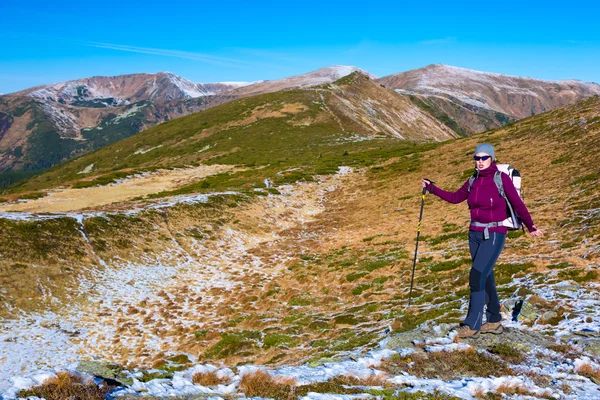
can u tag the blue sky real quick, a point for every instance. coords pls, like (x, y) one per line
(52, 41)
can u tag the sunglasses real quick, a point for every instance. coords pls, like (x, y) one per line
(482, 158)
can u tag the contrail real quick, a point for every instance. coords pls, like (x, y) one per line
(207, 58)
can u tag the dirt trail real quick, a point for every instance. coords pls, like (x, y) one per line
(65, 200)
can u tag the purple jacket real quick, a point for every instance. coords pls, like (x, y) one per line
(484, 200)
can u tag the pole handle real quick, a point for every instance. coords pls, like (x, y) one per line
(425, 188)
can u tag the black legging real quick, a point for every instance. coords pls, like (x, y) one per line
(484, 253)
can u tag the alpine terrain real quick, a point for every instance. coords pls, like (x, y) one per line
(474, 101)
(263, 248)
(46, 125)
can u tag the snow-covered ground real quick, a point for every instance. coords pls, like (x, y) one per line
(34, 337)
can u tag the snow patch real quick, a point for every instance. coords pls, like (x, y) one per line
(144, 151)
(87, 169)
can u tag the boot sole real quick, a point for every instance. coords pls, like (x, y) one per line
(496, 331)
(473, 336)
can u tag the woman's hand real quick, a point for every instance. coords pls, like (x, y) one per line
(536, 232)
(425, 183)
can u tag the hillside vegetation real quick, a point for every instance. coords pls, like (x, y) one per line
(311, 130)
(319, 265)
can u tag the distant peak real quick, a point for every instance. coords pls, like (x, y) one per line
(342, 70)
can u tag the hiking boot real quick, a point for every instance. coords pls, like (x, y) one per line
(492, 327)
(465, 332)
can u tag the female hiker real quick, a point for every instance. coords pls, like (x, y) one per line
(486, 238)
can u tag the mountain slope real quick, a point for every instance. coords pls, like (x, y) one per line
(37, 134)
(71, 118)
(270, 129)
(46, 125)
(473, 101)
(305, 273)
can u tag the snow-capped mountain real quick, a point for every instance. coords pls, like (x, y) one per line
(319, 77)
(103, 91)
(474, 98)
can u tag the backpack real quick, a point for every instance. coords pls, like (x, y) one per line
(513, 222)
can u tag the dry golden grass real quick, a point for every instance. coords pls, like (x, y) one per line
(262, 384)
(519, 390)
(66, 386)
(479, 393)
(65, 200)
(371, 380)
(209, 379)
(588, 370)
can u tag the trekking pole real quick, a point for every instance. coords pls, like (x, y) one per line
(417, 245)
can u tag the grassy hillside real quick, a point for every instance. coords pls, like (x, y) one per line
(307, 272)
(35, 136)
(313, 130)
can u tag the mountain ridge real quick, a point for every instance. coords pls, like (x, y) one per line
(250, 130)
(476, 101)
(78, 116)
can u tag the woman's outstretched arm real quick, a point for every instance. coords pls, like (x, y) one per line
(451, 197)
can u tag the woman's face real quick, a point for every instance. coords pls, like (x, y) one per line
(481, 164)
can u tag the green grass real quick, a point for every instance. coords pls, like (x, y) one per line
(32, 196)
(240, 343)
(355, 276)
(274, 340)
(275, 144)
(585, 178)
(449, 265)
(444, 238)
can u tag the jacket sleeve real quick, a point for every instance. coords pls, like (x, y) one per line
(451, 197)
(515, 200)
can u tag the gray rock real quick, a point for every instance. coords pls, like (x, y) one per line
(407, 339)
(520, 339)
(523, 340)
(105, 370)
(528, 314)
(589, 345)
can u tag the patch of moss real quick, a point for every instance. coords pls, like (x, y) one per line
(239, 343)
(148, 376)
(444, 238)
(274, 340)
(507, 352)
(508, 270)
(355, 276)
(449, 265)
(578, 275)
(355, 342)
(380, 280)
(559, 265)
(200, 334)
(361, 287)
(300, 301)
(410, 321)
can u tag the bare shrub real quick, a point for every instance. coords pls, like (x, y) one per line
(66, 385)
(209, 379)
(262, 384)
